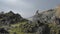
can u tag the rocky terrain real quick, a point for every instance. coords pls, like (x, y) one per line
(8, 19)
(45, 22)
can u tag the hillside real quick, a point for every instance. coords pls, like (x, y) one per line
(7, 20)
(44, 22)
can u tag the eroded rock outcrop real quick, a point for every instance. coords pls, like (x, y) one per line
(45, 22)
(10, 18)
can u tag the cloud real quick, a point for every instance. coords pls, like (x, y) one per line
(27, 7)
(18, 6)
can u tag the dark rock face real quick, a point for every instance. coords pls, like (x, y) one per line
(58, 20)
(10, 18)
(14, 32)
(43, 30)
(46, 30)
(3, 31)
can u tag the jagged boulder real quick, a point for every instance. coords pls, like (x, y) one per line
(44, 29)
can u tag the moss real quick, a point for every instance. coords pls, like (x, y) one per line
(17, 28)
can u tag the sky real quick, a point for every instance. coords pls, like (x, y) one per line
(27, 8)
